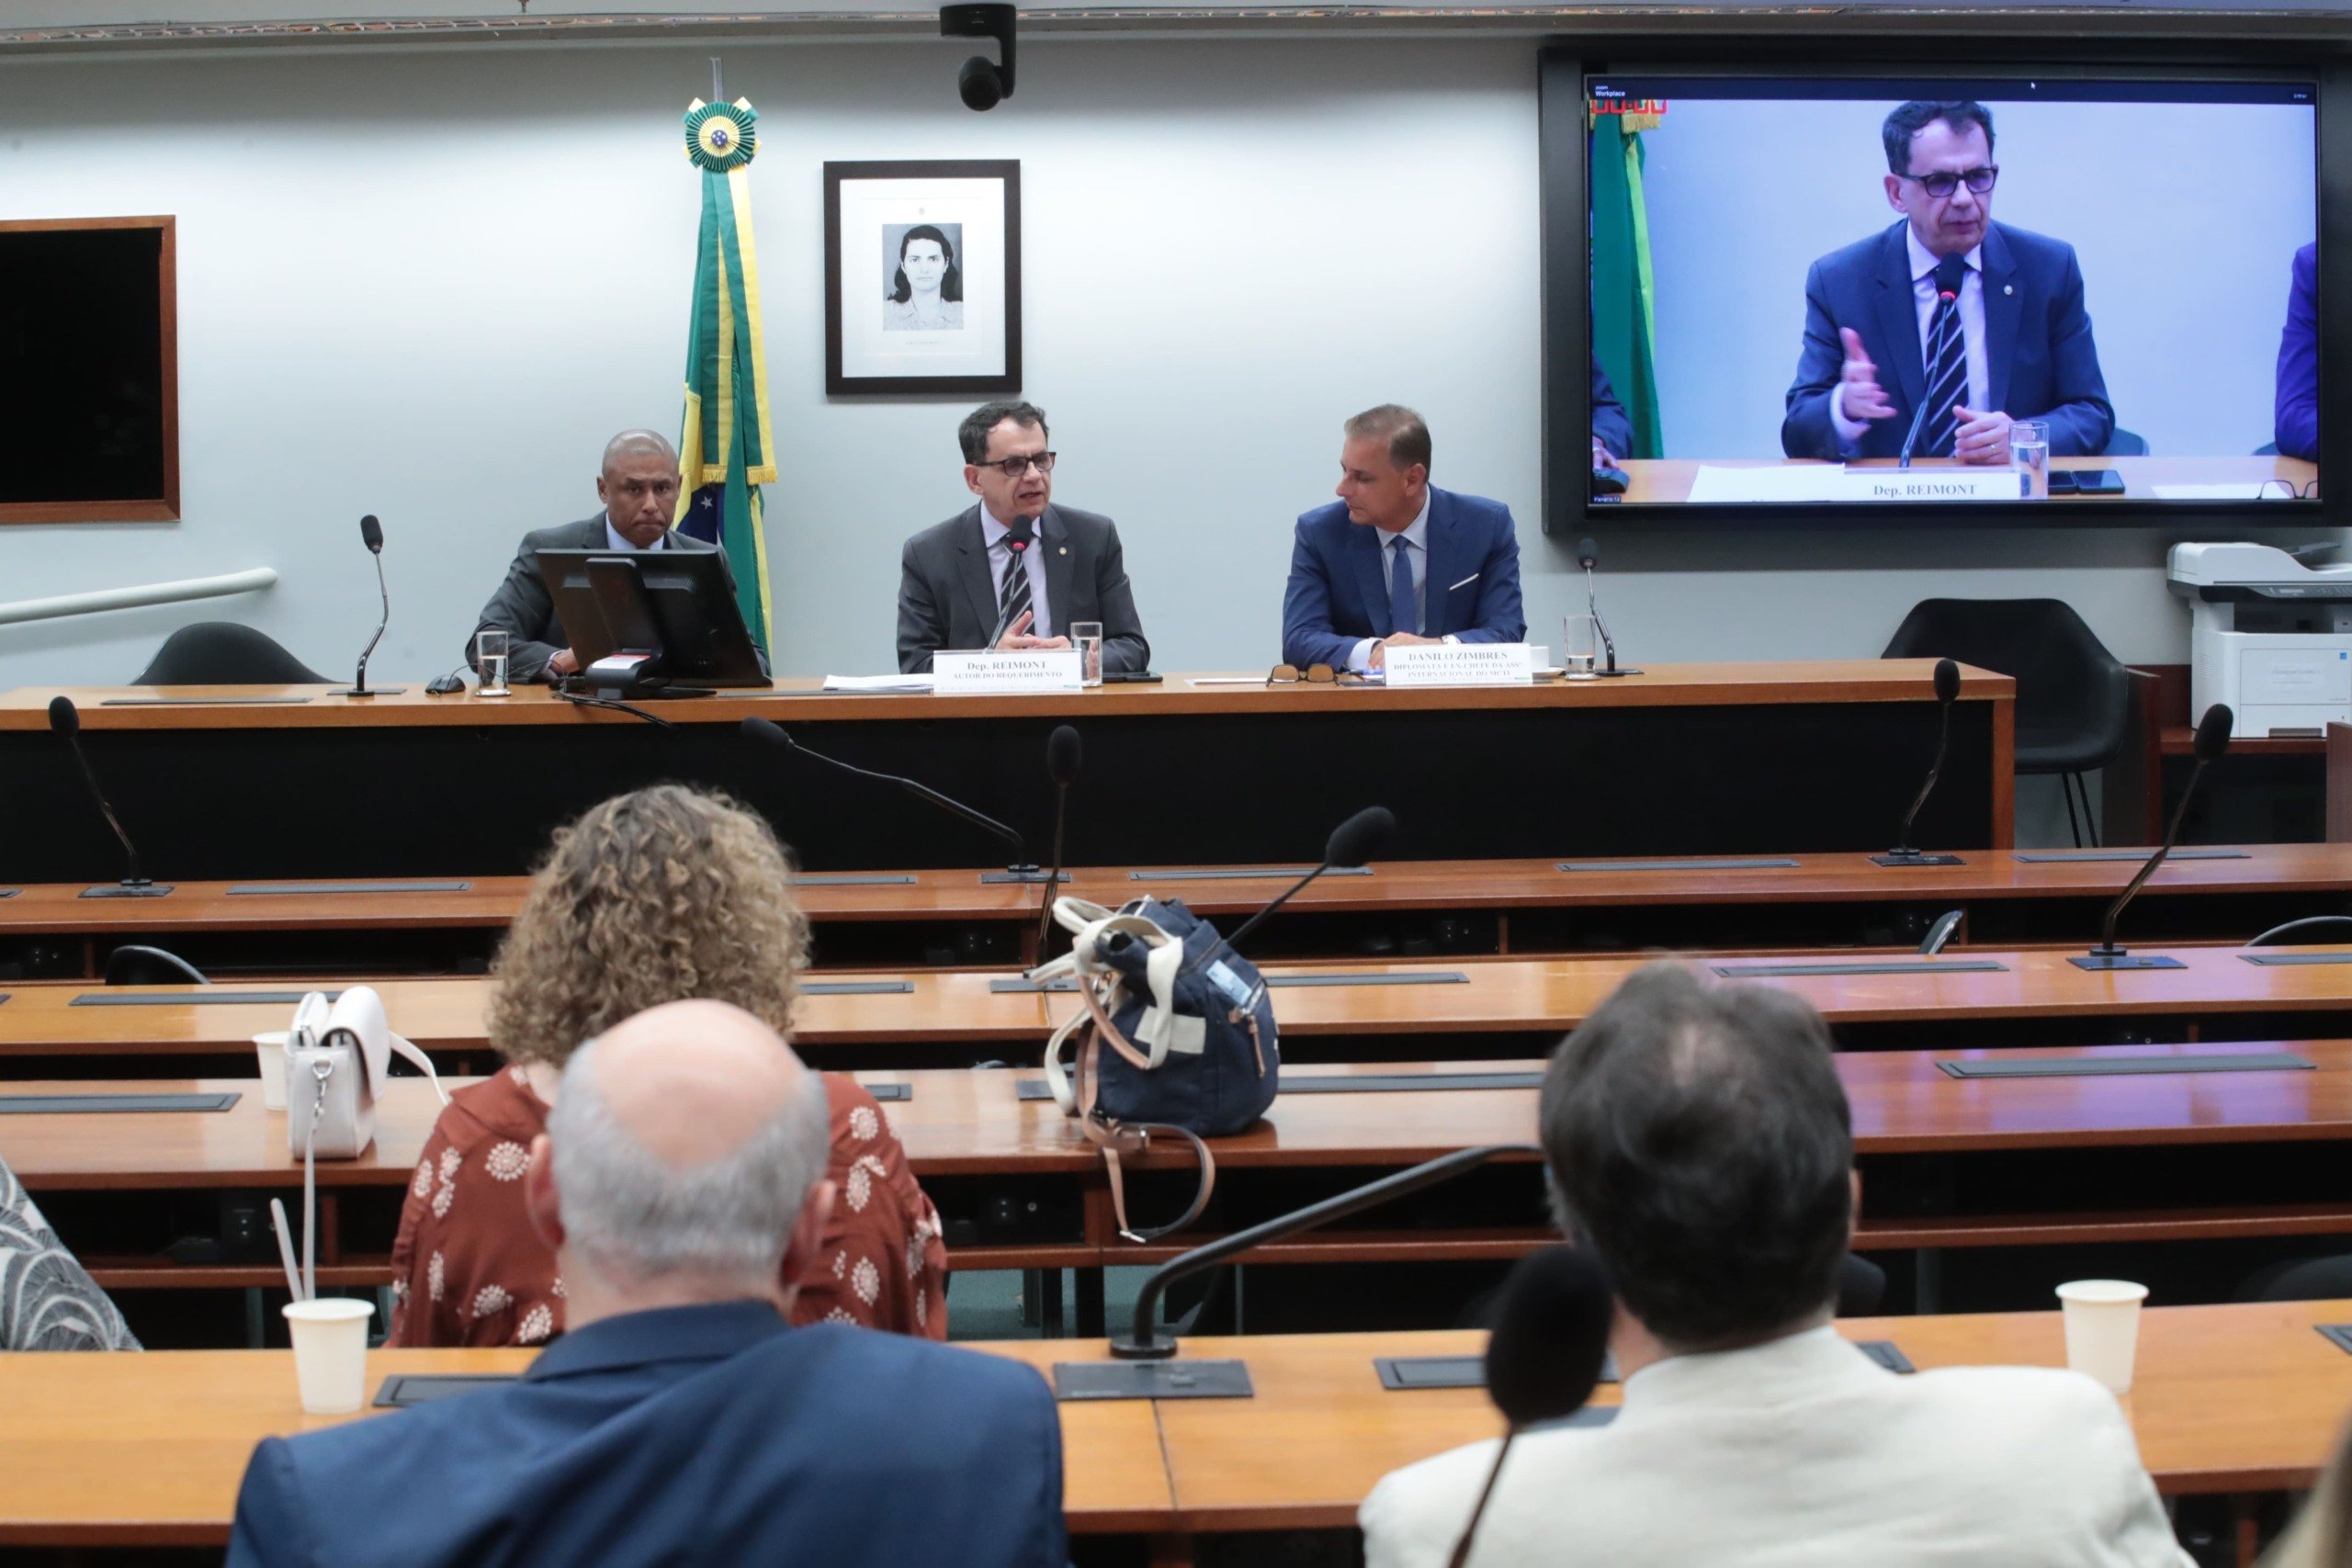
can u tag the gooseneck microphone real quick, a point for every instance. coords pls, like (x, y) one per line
(1351, 843)
(1588, 557)
(1064, 756)
(1022, 869)
(1018, 537)
(1951, 273)
(1546, 1354)
(2213, 740)
(372, 534)
(1947, 682)
(65, 720)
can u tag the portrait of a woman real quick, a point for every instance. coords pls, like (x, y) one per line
(927, 290)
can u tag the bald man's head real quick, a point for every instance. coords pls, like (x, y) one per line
(687, 1140)
(638, 486)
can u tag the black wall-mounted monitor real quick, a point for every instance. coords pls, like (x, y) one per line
(1878, 292)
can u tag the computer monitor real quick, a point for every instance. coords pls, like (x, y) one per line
(1840, 291)
(676, 606)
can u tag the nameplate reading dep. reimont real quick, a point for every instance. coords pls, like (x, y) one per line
(1460, 664)
(1002, 674)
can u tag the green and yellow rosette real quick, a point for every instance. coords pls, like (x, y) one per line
(721, 138)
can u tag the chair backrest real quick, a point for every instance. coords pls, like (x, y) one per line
(2067, 680)
(222, 653)
(134, 965)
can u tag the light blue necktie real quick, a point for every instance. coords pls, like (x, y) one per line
(1401, 616)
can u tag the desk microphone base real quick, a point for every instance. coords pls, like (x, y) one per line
(370, 692)
(1152, 1380)
(127, 890)
(2122, 960)
(1913, 857)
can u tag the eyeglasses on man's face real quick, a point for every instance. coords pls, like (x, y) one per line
(1943, 182)
(1014, 467)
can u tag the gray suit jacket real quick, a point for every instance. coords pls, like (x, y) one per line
(525, 609)
(947, 594)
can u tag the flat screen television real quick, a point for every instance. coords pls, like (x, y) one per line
(2016, 295)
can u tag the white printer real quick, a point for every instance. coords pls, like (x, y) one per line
(2268, 635)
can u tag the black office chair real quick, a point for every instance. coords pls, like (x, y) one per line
(222, 653)
(2310, 930)
(2299, 1280)
(2122, 443)
(136, 966)
(2073, 695)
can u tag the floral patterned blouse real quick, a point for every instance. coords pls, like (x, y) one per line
(469, 1269)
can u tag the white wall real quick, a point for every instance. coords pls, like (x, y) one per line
(2184, 234)
(429, 285)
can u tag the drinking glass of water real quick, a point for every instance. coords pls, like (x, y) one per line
(1579, 647)
(489, 660)
(1087, 638)
(2029, 456)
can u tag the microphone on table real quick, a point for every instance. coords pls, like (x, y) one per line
(372, 534)
(1064, 755)
(2213, 740)
(1351, 843)
(1951, 273)
(1588, 557)
(65, 719)
(1546, 1355)
(1947, 680)
(1022, 869)
(1018, 537)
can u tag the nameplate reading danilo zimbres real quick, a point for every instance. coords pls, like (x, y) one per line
(1003, 674)
(1460, 664)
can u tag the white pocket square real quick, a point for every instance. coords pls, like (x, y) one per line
(1463, 583)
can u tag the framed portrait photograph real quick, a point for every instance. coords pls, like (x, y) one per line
(922, 276)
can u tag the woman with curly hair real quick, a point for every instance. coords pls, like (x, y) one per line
(652, 897)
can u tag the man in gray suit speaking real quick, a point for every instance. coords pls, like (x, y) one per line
(1014, 567)
(638, 486)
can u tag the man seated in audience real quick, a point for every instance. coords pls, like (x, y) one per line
(638, 487)
(654, 896)
(681, 1183)
(1702, 1148)
(48, 1300)
(1396, 560)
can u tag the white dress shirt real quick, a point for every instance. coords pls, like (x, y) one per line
(1972, 329)
(1416, 550)
(1800, 1452)
(616, 540)
(1032, 558)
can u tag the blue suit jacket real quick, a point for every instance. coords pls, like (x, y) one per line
(2040, 356)
(692, 1435)
(1610, 425)
(1338, 587)
(2296, 414)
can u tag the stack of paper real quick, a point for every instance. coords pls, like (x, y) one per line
(877, 683)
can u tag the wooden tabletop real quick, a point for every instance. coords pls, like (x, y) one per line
(1669, 479)
(798, 701)
(490, 901)
(148, 1449)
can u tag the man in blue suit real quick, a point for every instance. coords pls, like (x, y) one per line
(680, 1420)
(1979, 322)
(2296, 408)
(1396, 560)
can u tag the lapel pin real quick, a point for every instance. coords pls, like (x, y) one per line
(2008, 288)
(1062, 550)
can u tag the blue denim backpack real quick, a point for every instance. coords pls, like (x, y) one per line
(1175, 1034)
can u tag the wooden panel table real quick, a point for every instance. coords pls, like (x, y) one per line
(125, 1450)
(1206, 773)
(147, 1449)
(1507, 906)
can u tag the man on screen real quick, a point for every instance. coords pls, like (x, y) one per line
(1931, 336)
(2296, 422)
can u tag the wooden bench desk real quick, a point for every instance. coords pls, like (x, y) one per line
(147, 1449)
(1464, 908)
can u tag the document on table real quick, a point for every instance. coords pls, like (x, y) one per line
(877, 683)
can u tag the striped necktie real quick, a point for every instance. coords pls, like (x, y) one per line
(1014, 598)
(1945, 354)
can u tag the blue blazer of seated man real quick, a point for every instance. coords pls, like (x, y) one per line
(2015, 343)
(1396, 560)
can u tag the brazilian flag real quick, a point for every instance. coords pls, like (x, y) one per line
(1625, 302)
(726, 449)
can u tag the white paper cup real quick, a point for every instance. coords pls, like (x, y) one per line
(271, 1047)
(330, 1338)
(2103, 1328)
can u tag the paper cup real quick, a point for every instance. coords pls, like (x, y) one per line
(2103, 1328)
(330, 1338)
(271, 1047)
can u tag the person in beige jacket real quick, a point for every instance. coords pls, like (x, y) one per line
(1702, 1149)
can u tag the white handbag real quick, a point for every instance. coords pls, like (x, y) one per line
(336, 1059)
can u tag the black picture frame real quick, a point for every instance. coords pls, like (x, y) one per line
(854, 366)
